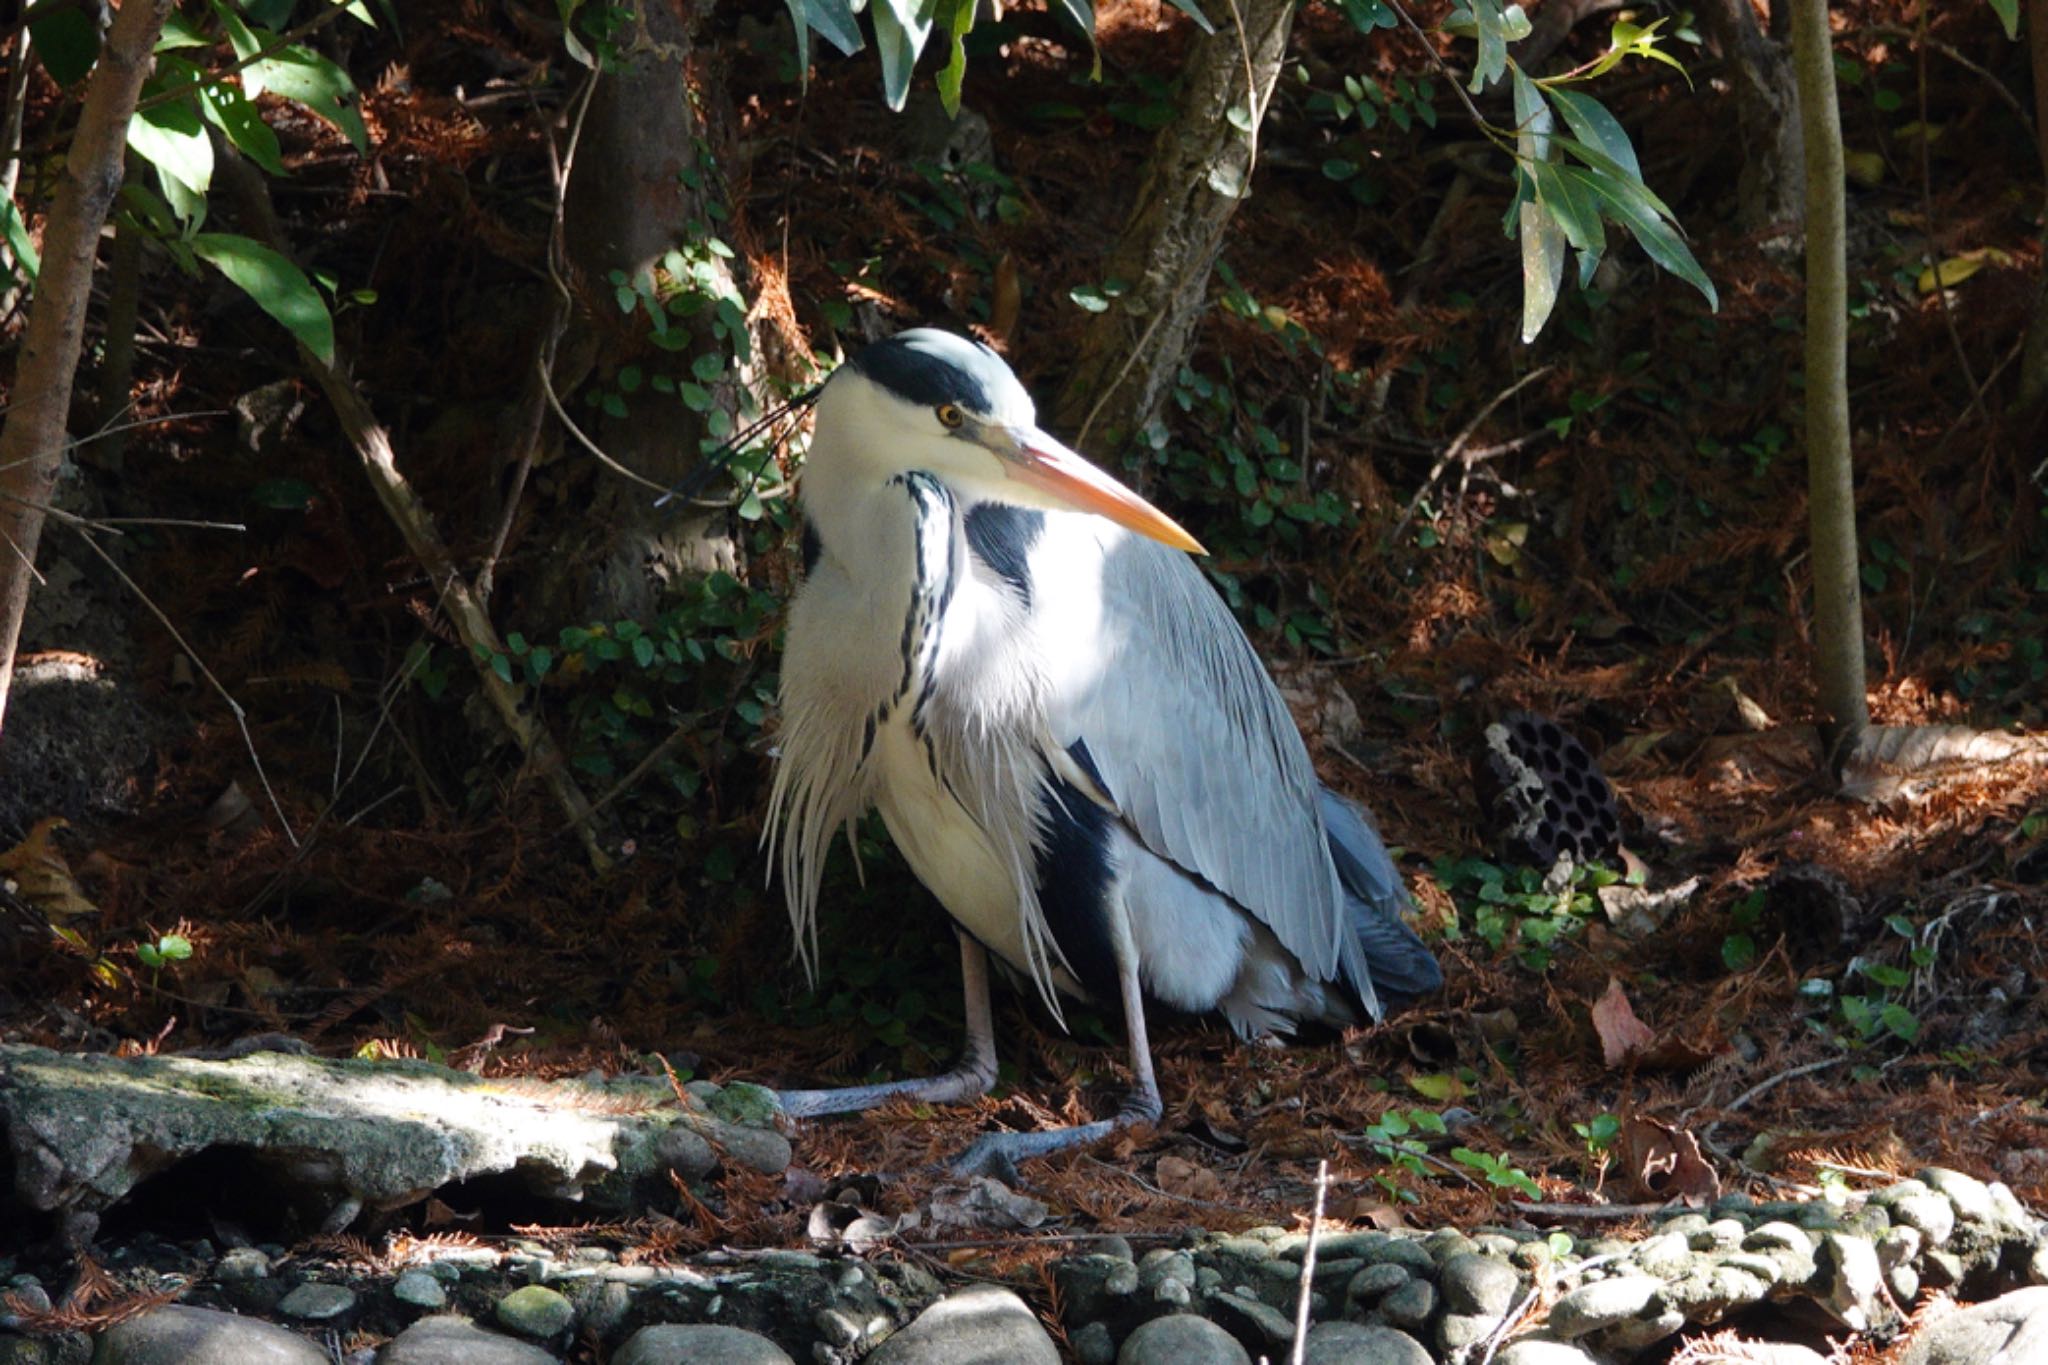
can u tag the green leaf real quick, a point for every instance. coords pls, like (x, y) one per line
(1901, 1022)
(172, 138)
(1194, 12)
(1633, 207)
(19, 243)
(305, 77)
(959, 20)
(1081, 14)
(66, 41)
(174, 947)
(800, 24)
(279, 288)
(901, 28)
(181, 32)
(834, 21)
(1571, 202)
(1542, 235)
(1597, 128)
(231, 111)
(2008, 12)
(578, 52)
(283, 495)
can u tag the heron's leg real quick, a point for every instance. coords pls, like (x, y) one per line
(975, 1074)
(997, 1154)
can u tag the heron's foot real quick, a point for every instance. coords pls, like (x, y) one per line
(997, 1154)
(965, 1082)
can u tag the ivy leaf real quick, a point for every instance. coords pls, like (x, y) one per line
(278, 287)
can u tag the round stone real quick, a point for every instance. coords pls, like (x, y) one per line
(1593, 1307)
(700, 1344)
(449, 1337)
(1476, 1283)
(536, 1311)
(1353, 1343)
(419, 1289)
(177, 1333)
(1181, 1339)
(241, 1263)
(982, 1325)
(1410, 1305)
(316, 1302)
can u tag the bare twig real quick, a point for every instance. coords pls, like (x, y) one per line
(235, 707)
(1457, 446)
(458, 598)
(1308, 1264)
(32, 446)
(560, 164)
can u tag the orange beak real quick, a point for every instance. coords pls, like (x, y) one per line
(1037, 459)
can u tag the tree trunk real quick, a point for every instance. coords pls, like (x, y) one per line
(637, 189)
(1768, 192)
(32, 445)
(2033, 395)
(1200, 168)
(1837, 595)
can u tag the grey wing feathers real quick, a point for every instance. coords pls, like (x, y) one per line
(1393, 962)
(1202, 757)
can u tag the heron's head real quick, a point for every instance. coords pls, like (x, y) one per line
(932, 401)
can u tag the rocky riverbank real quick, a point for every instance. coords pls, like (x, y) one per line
(1793, 1274)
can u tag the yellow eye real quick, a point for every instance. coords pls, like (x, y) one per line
(951, 417)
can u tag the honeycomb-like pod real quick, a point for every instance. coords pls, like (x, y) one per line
(1544, 793)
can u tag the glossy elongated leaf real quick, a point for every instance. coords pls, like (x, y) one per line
(800, 24)
(231, 111)
(1081, 14)
(240, 37)
(2008, 12)
(305, 77)
(901, 28)
(19, 243)
(181, 32)
(1543, 243)
(578, 50)
(66, 41)
(1194, 11)
(1596, 127)
(278, 287)
(834, 21)
(959, 20)
(1635, 208)
(1542, 238)
(171, 138)
(1571, 202)
(1608, 166)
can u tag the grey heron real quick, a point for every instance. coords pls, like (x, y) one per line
(1012, 657)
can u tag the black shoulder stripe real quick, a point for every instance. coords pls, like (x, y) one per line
(813, 546)
(1001, 537)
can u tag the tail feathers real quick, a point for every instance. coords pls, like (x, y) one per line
(1384, 960)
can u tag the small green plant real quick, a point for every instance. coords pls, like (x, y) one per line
(1514, 909)
(1392, 1136)
(1738, 948)
(167, 949)
(1599, 1134)
(1856, 1015)
(1497, 1171)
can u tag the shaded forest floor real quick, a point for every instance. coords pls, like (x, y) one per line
(1849, 989)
